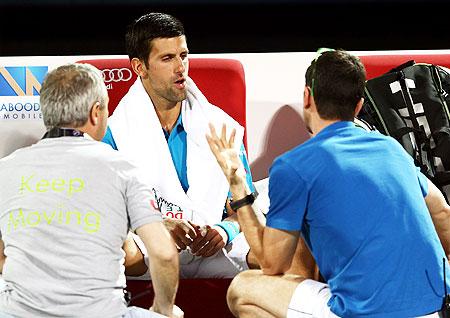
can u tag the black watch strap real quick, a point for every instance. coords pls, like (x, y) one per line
(247, 200)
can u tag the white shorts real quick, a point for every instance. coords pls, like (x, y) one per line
(137, 312)
(310, 300)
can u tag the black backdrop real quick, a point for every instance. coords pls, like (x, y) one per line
(85, 27)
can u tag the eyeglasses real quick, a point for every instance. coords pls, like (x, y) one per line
(318, 54)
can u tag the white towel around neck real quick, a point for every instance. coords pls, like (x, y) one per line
(139, 136)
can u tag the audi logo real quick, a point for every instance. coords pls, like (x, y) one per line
(116, 75)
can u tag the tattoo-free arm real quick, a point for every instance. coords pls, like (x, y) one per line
(273, 248)
(164, 269)
(2, 255)
(134, 259)
(440, 214)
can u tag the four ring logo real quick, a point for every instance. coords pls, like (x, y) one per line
(116, 75)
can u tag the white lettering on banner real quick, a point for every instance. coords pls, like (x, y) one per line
(20, 108)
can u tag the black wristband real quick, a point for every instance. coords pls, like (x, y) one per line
(247, 200)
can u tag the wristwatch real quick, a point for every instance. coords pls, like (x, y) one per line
(247, 200)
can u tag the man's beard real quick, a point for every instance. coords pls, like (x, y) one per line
(176, 96)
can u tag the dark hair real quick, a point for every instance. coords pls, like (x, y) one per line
(142, 31)
(337, 81)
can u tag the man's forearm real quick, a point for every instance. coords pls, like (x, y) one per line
(259, 214)
(248, 221)
(263, 241)
(2, 261)
(2, 255)
(163, 263)
(165, 277)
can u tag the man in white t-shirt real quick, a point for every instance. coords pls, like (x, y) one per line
(66, 206)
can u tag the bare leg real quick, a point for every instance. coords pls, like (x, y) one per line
(252, 311)
(134, 259)
(248, 296)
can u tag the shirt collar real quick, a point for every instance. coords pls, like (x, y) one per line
(179, 123)
(178, 127)
(336, 126)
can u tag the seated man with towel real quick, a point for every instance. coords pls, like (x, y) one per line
(190, 187)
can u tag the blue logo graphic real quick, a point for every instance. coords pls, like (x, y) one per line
(21, 80)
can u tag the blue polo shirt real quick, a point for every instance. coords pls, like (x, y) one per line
(177, 143)
(357, 199)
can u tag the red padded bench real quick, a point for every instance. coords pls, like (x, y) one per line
(377, 65)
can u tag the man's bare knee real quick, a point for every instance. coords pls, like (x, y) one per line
(233, 294)
(239, 289)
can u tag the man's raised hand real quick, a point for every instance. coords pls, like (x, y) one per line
(226, 154)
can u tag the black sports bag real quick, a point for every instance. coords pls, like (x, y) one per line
(410, 103)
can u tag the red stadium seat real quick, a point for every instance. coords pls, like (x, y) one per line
(221, 80)
(223, 83)
(377, 65)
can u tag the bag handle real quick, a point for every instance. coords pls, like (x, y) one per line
(402, 66)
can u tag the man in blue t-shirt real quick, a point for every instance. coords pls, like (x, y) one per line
(161, 124)
(358, 201)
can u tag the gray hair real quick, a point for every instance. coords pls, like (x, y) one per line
(68, 93)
